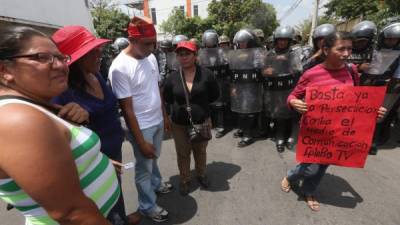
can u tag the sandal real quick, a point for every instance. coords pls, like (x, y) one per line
(312, 203)
(285, 185)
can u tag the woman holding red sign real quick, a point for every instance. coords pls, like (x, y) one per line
(332, 71)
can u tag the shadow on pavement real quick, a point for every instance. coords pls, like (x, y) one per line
(334, 191)
(182, 209)
(218, 174)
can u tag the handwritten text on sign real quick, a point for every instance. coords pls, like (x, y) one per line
(339, 125)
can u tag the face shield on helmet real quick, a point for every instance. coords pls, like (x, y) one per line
(210, 39)
(178, 38)
(321, 32)
(389, 37)
(245, 39)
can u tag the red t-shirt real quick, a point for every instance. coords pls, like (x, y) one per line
(320, 76)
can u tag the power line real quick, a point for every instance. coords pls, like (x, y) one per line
(290, 10)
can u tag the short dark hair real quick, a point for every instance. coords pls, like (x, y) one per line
(13, 39)
(330, 40)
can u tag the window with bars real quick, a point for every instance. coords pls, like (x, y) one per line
(195, 10)
(154, 16)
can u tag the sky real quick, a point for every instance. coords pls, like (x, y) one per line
(302, 12)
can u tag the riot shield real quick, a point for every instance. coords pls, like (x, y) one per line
(280, 73)
(246, 84)
(212, 57)
(215, 59)
(381, 61)
(172, 62)
(396, 74)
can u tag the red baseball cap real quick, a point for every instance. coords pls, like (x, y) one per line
(76, 41)
(187, 45)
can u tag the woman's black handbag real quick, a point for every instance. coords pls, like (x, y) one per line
(197, 132)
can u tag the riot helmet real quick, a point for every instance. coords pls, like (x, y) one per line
(166, 44)
(120, 44)
(321, 32)
(245, 38)
(224, 39)
(178, 38)
(364, 29)
(224, 42)
(210, 39)
(259, 34)
(389, 37)
(363, 33)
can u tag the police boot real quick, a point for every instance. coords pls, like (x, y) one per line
(280, 135)
(249, 122)
(220, 128)
(292, 132)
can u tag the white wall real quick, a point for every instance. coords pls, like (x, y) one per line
(164, 9)
(48, 13)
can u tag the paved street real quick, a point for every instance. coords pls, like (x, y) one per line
(246, 190)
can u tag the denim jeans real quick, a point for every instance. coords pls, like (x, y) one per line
(311, 173)
(147, 174)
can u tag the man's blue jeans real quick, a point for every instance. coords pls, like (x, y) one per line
(311, 173)
(147, 174)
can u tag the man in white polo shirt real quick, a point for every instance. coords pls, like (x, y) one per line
(134, 78)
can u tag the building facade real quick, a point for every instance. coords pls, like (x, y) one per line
(45, 15)
(160, 10)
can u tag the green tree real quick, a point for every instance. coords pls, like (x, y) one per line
(109, 22)
(377, 11)
(350, 9)
(178, 23)
(228, 16)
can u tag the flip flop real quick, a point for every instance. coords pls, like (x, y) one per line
(285, 185)
(312, 203)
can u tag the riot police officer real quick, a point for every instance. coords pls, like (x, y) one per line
(260, 35)
(384, 65)
(163, 53)
(280, 72)
(110, 53)
(245, 63)
(314, 56)
(119, 44)
(224, 42)
(215, 59)
(363, 44)
(178, 38)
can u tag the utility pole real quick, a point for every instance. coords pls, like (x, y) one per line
(314, 21)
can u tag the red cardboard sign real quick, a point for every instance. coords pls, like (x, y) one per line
(339, 124)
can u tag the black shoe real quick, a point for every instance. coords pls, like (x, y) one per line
(280, 146)
(245, 142)
(184, 188)
(238, 134)
(203, 181)
(373, 150)
(220, 133)
(290, 144)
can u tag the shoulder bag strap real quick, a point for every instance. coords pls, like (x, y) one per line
(188, 107)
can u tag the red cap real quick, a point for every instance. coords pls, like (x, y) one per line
(140, 28)
(189, 45)
(76, 41)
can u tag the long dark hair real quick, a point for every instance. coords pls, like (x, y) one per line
(13, 40)
(76, 78)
